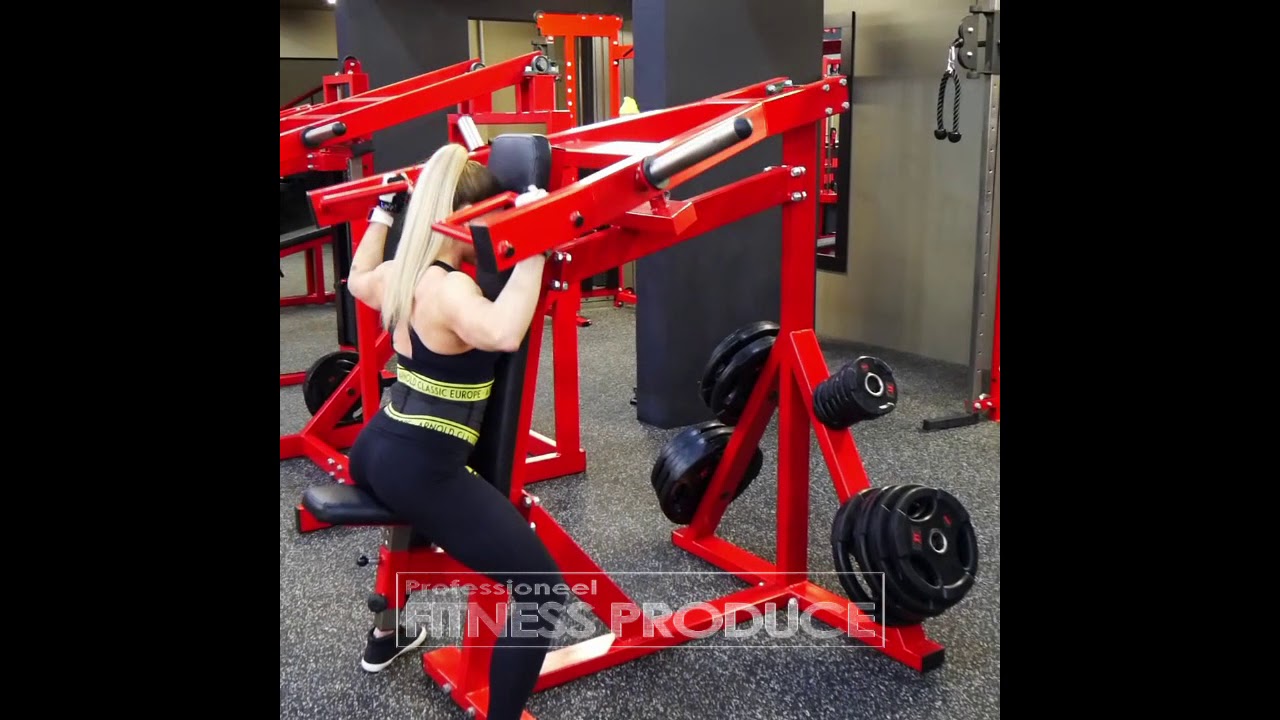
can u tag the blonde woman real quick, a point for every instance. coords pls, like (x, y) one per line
(413, 454)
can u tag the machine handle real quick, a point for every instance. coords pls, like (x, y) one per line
(658, 169)
(469, 132)
(317, 135)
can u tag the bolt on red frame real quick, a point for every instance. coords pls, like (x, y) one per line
(619, 214)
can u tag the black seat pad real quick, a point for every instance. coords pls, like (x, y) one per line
(338, 504)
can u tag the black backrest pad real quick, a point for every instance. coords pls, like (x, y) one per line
(517, 160)
(494, 457)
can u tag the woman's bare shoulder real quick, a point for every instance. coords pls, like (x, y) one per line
(434, 289)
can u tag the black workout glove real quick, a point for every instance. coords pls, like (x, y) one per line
(390, 204)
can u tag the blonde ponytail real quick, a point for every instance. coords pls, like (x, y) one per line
(432, 200)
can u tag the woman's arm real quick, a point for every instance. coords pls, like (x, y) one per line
(497, 326)
(365, 280)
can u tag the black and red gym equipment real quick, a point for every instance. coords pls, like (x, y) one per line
(326, 132)
(569, 28)
(908, 552)
(331, 141)
(619, 214)
(734, 367)
(863, 389)
(686, 465)
(298, 235)
(834, 193)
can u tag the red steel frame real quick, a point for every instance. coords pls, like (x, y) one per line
(536, 108)
(315, 294)
(314, 263)
(572, 26)
(640, 222)
(830, 158)
(342, 91)
(350, 81)
(990, 403)
(322, 440)
(366, 111)
(294, 103)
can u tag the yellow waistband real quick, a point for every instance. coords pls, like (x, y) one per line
(445, 391)
(448, 427)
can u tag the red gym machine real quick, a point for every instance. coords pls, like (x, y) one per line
(570, 27)
(318, 137)
(536, 107)
(620, 213)
(828, 197)
(331, 126)
(348, 81)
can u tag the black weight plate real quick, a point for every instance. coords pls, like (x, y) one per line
(900, 600)
(888, 613)
(718, 437)
(688, 473)
(323, 378)
(658, 475)
(659, 468)
(852, 577)
(728, 347)
(734, 384)
(893, 614)
(932, 541)
(873, 539)
(874, 388)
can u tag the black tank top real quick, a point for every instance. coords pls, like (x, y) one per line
(444, 393)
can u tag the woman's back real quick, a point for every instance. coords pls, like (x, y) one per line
(445, 386)
(428, 345)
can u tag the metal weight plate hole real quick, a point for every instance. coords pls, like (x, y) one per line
(921, 509)
(874, 385)
(937, 541)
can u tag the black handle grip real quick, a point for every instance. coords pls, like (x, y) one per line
(317, 135)
(658, 169)
(361, 149)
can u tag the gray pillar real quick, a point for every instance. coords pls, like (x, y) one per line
(692, 295)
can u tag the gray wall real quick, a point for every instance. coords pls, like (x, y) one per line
(914, 199)
(398, 39)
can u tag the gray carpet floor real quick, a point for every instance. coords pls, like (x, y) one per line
(612, 513)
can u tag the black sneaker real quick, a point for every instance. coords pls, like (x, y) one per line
(379, 652)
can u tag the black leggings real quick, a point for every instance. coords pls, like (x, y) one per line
(477, 526)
